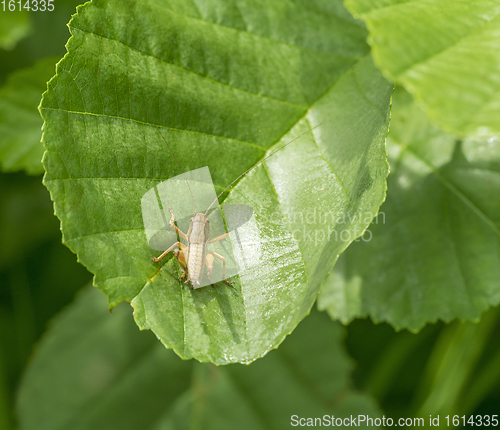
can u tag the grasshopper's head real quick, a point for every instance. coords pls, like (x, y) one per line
(201, 223)
(200, 217)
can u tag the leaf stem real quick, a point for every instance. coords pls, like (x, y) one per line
(451, 366)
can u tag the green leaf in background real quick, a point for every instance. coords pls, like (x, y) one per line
(446, 53)
(20, 122)
(434, 251)
(26, 218)
(225, 84)
(459, 373)
(38, 275)
(95, 370)
(14, 25)
(47, 38)
(444, 369)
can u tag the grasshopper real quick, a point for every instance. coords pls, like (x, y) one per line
(195, 257)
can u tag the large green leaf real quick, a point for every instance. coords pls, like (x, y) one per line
(14, 25)
(225, 83)
(434, 252)
(446, 53)
(95, 370)
(20, 122)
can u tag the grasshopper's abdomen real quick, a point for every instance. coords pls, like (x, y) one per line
(195, 262)
(198, 235)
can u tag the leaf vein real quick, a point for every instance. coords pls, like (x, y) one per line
(330, 167)
(194, 73)
(155, 125)
(469, 203)
(445, 49)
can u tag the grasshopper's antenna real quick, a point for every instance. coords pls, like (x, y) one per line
(255, 165)
(173, 154)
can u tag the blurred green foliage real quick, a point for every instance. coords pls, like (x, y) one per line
(38, 275)
(110, 366)
(19, 124)
(13, 27)
(434, 248)
(446, 53)
(47, 37)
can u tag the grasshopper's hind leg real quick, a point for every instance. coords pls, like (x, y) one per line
(181, 254)
(220, 257)
(209, 263)
(216, 239)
